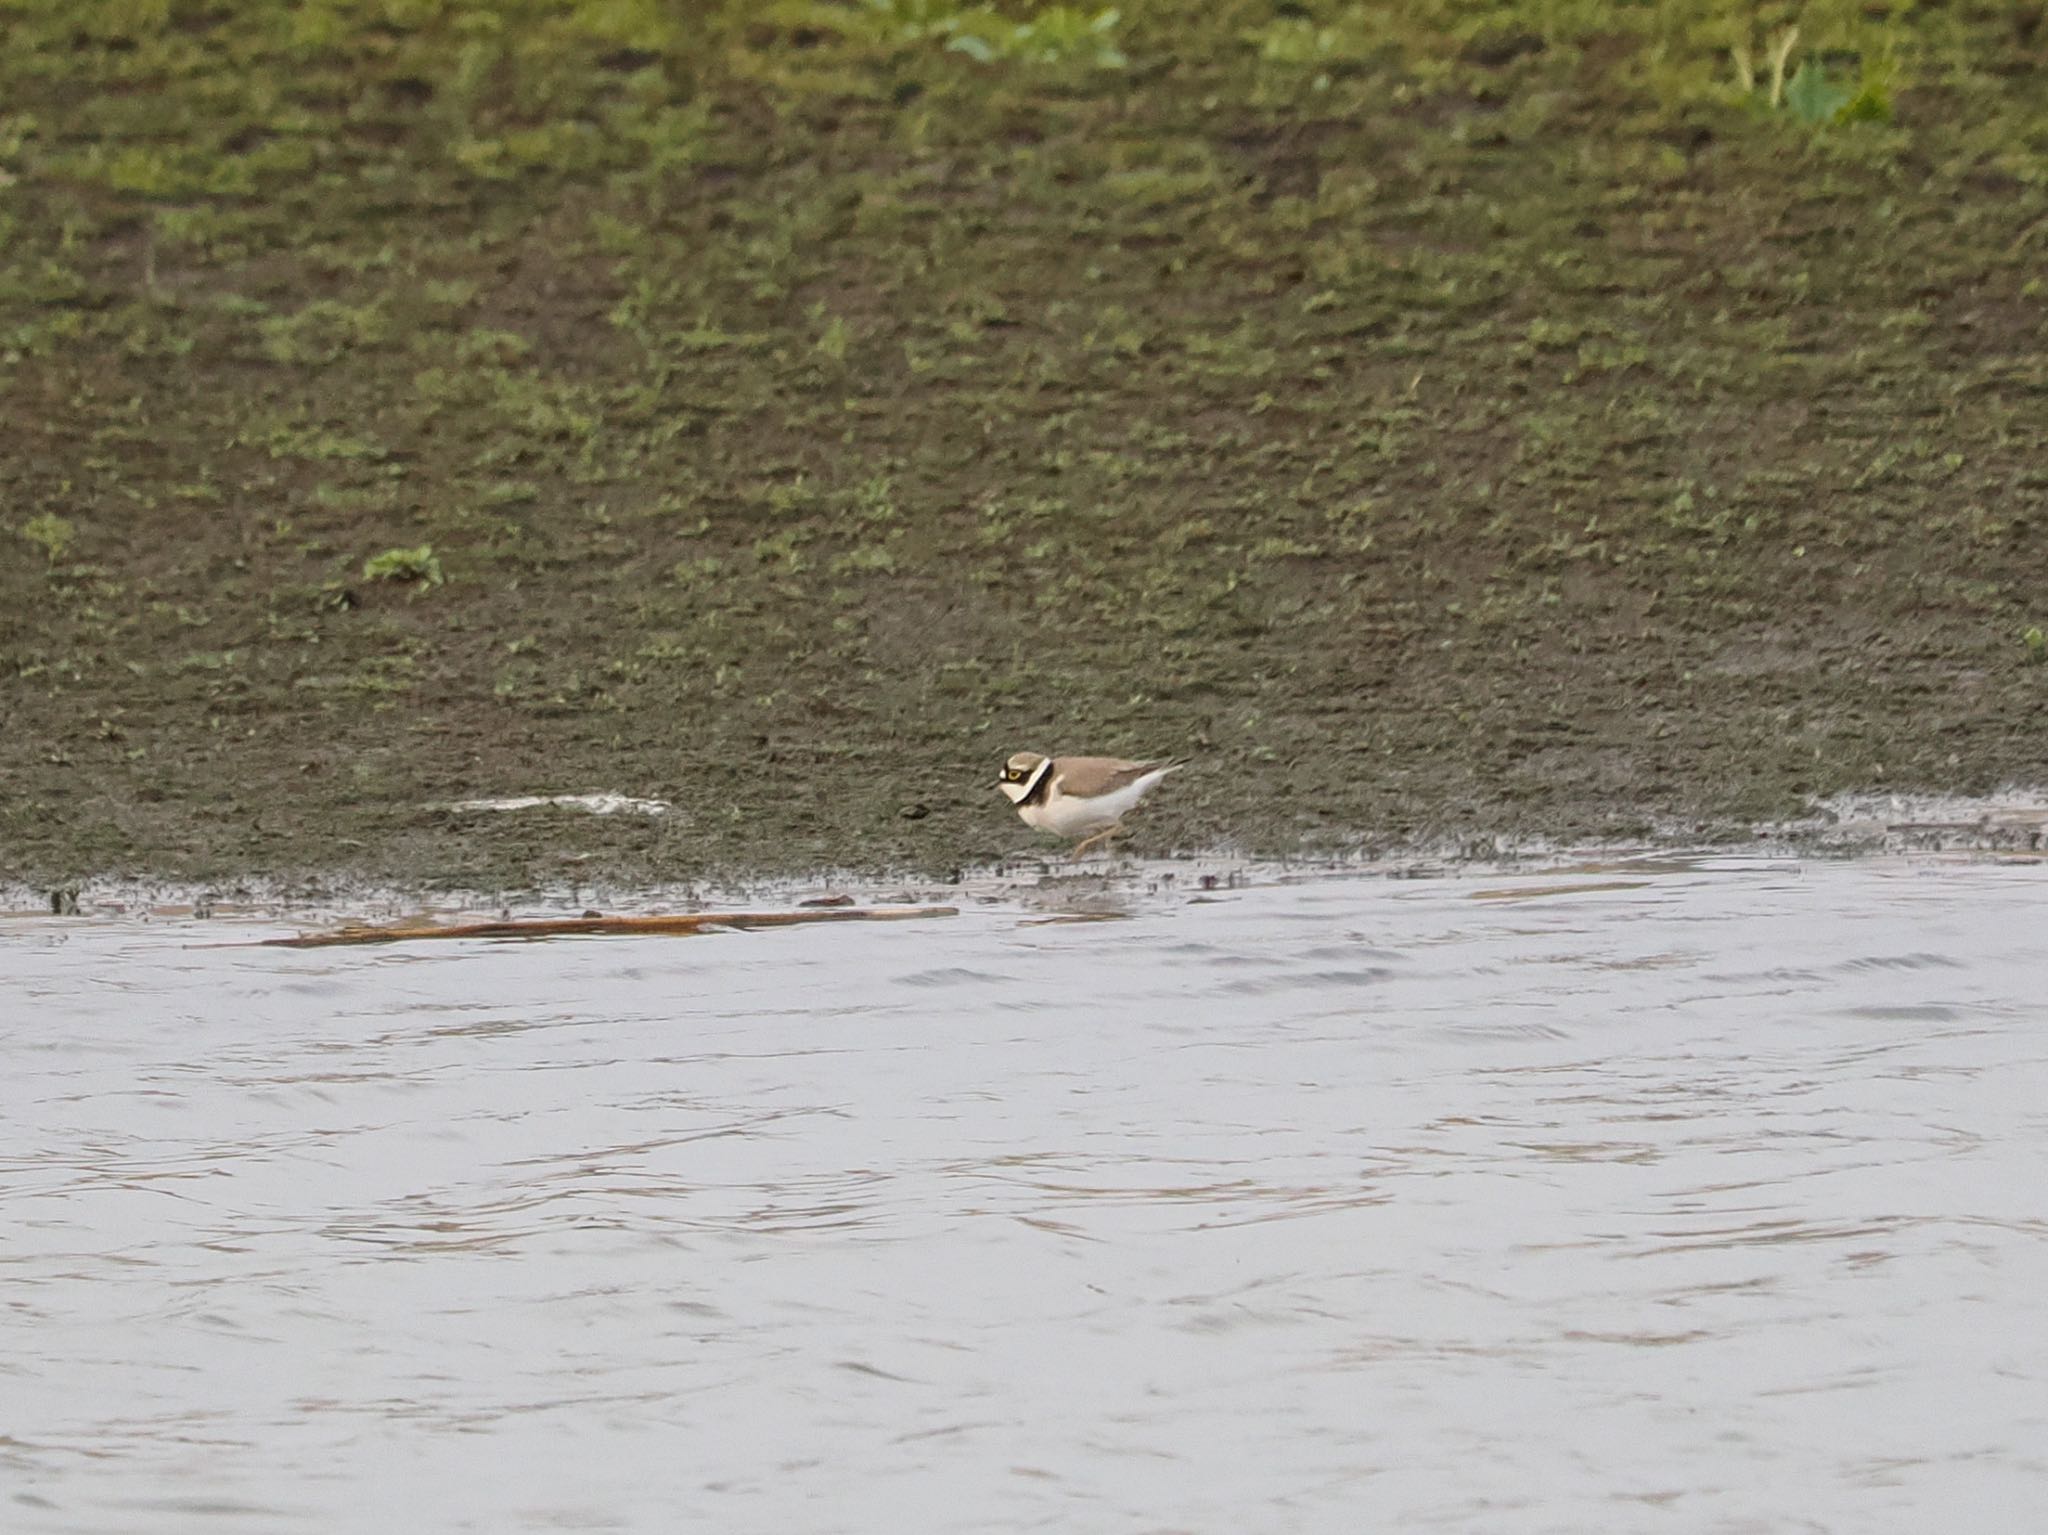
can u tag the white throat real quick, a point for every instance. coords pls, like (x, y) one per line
(1017, 793)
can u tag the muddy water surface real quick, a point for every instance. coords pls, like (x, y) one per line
(1689, 1197)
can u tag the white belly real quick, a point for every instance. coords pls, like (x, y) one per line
(1069, 817)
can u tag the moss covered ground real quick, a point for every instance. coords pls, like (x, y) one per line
(1435, 419)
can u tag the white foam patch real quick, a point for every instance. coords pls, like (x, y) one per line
(596, 804)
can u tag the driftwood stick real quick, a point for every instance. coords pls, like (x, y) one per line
(561, 927)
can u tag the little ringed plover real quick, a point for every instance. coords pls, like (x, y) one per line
(1085, 797)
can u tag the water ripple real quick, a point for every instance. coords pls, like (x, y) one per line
(1318, 1206)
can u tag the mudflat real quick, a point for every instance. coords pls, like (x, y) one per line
(1555, 421)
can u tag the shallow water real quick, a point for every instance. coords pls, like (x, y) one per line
(1676, 1196)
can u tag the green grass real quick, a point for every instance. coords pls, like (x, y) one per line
(419, 565)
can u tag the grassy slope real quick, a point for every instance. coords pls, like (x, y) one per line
(1466, 418)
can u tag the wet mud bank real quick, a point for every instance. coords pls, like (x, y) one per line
(2011, 828)
(1438, 438)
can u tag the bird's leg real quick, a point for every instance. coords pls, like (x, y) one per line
(1087, 842)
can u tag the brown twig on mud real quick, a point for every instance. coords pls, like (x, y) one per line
(564, 927)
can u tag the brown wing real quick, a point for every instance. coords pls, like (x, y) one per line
(1088, 776)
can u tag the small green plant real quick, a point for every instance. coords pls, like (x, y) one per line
(1295, 42)
(834, 342)
(322, 332)
(1812, 93)
(50, 533)
(2036, 644)
(866, 559)
(1061, 34)
(1064, 35)
(293, 440)
(1814, 96)
(405, 565)
(874, 500)
(913, 20)
(701, 571)
(1872, 100)
(780, 549)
